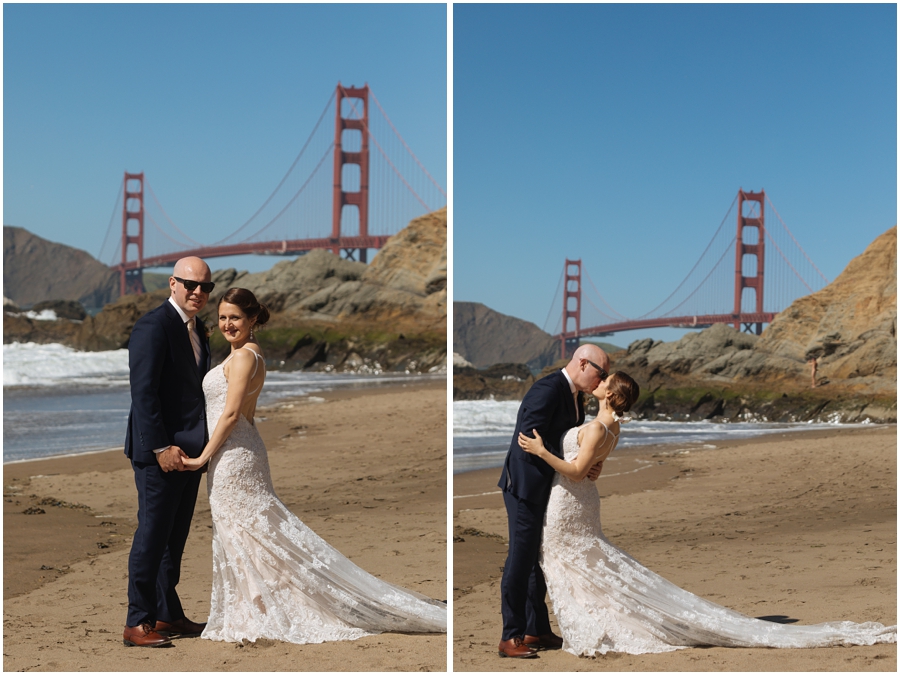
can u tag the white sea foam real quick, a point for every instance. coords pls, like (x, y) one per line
(52, 365)
(482, 431)
(43, 315)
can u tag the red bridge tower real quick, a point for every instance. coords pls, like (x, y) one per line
(131, 281)
(743, 248)
(360, 158)
(571, 291)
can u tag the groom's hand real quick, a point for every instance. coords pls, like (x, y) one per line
(170, 459)
(594, 471)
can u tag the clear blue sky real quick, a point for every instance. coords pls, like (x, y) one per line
(212, 102)
(620, 134)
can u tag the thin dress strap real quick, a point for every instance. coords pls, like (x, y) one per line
(616, 436)
(255, 370)
(609, 433)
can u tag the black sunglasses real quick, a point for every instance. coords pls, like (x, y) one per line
(205, 286)
(603, 373)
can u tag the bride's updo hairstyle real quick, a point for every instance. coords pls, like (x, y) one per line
(623, 391)
(248, 304)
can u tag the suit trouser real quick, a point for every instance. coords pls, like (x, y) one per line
(523, 590)
(165, 508)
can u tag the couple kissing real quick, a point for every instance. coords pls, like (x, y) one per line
(604, 600)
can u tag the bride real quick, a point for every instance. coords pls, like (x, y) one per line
(605, 601)
(273, 577)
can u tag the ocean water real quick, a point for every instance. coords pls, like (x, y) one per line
(482, 432)
(59, 401)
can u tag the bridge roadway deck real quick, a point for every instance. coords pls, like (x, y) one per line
(283, 247)
(697, 321)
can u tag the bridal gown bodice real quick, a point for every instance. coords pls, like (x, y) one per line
(273, 577)
(604, 600)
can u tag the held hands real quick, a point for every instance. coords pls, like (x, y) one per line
(171, 459)
(533, 446)
(193, 463)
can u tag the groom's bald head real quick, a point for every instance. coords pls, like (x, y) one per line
(585, 366)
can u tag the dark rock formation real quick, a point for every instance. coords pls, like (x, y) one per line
(502, 381)
(64, 309)
(485, 337)
(35, 270)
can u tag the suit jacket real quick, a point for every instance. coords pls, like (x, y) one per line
(550, 408)
(167, 405)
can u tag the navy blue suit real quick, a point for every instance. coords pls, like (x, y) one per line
(550, 408)
(167, 408)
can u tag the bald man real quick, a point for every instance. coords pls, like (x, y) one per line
(168, 355)
(551, 406)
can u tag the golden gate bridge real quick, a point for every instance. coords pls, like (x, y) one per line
(770, 271)
(372, 186)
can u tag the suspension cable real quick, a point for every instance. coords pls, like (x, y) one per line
(408, 149)
(555, 295)
(153, 194)
(778, 215)
(293, 199)
(695, 264)
(591, 281)
(777, 248)
(289, 171)
(119, 192)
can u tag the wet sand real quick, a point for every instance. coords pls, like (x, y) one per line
(797, 525)
(365, 469)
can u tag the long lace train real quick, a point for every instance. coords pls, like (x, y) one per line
(273, 577)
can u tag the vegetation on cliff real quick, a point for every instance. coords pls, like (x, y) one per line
(721, 374)
(327, 313)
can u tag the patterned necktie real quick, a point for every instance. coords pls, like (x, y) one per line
(195, 339)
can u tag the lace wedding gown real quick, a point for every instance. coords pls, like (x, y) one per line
(606, 601)
(273, 577)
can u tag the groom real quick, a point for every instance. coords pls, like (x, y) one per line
(168, 355)
(551, 406)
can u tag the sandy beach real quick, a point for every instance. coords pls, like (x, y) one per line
(797, 525)
(365, 469)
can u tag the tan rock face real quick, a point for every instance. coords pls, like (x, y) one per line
(415, 259)
(35, 270)
(851, 324)
(405, 286)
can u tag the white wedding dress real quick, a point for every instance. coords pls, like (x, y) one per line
(273, 577)
(606, 601)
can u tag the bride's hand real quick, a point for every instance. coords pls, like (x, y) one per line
(192, 463)
(533, 446)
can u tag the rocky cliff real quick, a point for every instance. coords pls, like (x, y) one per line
(35, 270)
(328, 313)
(849, 326)
(723, 374)
(484, 337)
(404, 288)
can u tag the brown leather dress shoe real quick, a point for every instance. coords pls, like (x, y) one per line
(545, 641)
(183, 628)
(143, 636)
(515, 649)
